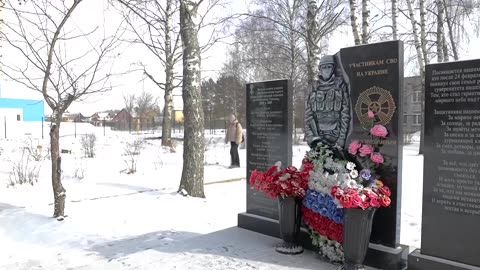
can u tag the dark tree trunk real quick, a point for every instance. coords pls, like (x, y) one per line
(193, 149)
(59, 192)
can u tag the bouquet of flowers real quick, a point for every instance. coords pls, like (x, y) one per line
(289, 182)
(344, 180)
(364, 189)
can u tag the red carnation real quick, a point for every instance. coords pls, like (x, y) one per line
(346, 201)
(333, 191)
(291, 169)
(253, 176)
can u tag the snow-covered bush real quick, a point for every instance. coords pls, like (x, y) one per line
(132, 150)
(26, 169)
(88, 142)
(35, 150)
(80, 169)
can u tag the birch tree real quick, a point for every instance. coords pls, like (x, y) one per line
(152, 23)
(354, 21)
(394, 19)
(193, 151)
(420, 59)
(365, 18)
(42, 35)
(440, 41)
(322, 20)
(423, 31)
(450, 30)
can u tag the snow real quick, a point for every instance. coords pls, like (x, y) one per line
(139, 221)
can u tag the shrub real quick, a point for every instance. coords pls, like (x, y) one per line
(132, 151)
(25, 170)
(88, 142)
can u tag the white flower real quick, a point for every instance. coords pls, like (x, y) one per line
(354, 174)
(350, 166)
(278, 164)
(351, 184)
(284, 177)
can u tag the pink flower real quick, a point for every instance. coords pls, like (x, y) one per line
(374, 202)
(370, 114)
(346, 201)
(357, 200)
(353, 147)
(379, 131)
(385, 201)
(365, 204)
(377, 158)
(366, 149)
(385, 191)
(370, 193)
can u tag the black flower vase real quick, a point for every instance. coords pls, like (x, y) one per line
(289, 218)
(357, 227)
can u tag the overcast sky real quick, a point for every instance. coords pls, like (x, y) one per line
(91, 13)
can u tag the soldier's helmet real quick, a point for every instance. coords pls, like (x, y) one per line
(327, 59)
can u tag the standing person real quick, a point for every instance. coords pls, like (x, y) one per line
(234, 136)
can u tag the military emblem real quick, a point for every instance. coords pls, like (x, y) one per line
(252, 92)
(377, 100)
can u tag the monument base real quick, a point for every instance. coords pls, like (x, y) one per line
(418, 261)
(378, 256)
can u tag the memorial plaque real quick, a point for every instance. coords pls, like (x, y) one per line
(269, 133)
(451, 182)
(374, 74)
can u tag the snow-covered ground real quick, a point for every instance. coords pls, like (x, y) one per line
(120, 221)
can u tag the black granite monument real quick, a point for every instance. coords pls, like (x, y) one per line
(269, 133)
(374, 74)
(367, 77)
(451, 181)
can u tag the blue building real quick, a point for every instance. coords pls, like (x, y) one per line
(33, 110)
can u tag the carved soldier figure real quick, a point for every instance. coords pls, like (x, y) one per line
(327, 110)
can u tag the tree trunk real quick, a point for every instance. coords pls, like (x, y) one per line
(353, 21)
(446, 56)
(416, 39)
(169, 66)
(440, 30)
(365, 16)
(394, 20)
(193, 149)
(59, 194)
(423, 31)
(421, 64)
(450, 31)
(293, 65)
(312, 42)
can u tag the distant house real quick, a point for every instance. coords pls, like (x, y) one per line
(97, 119)
(122, 120)
(412, 104)
(74, 117)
